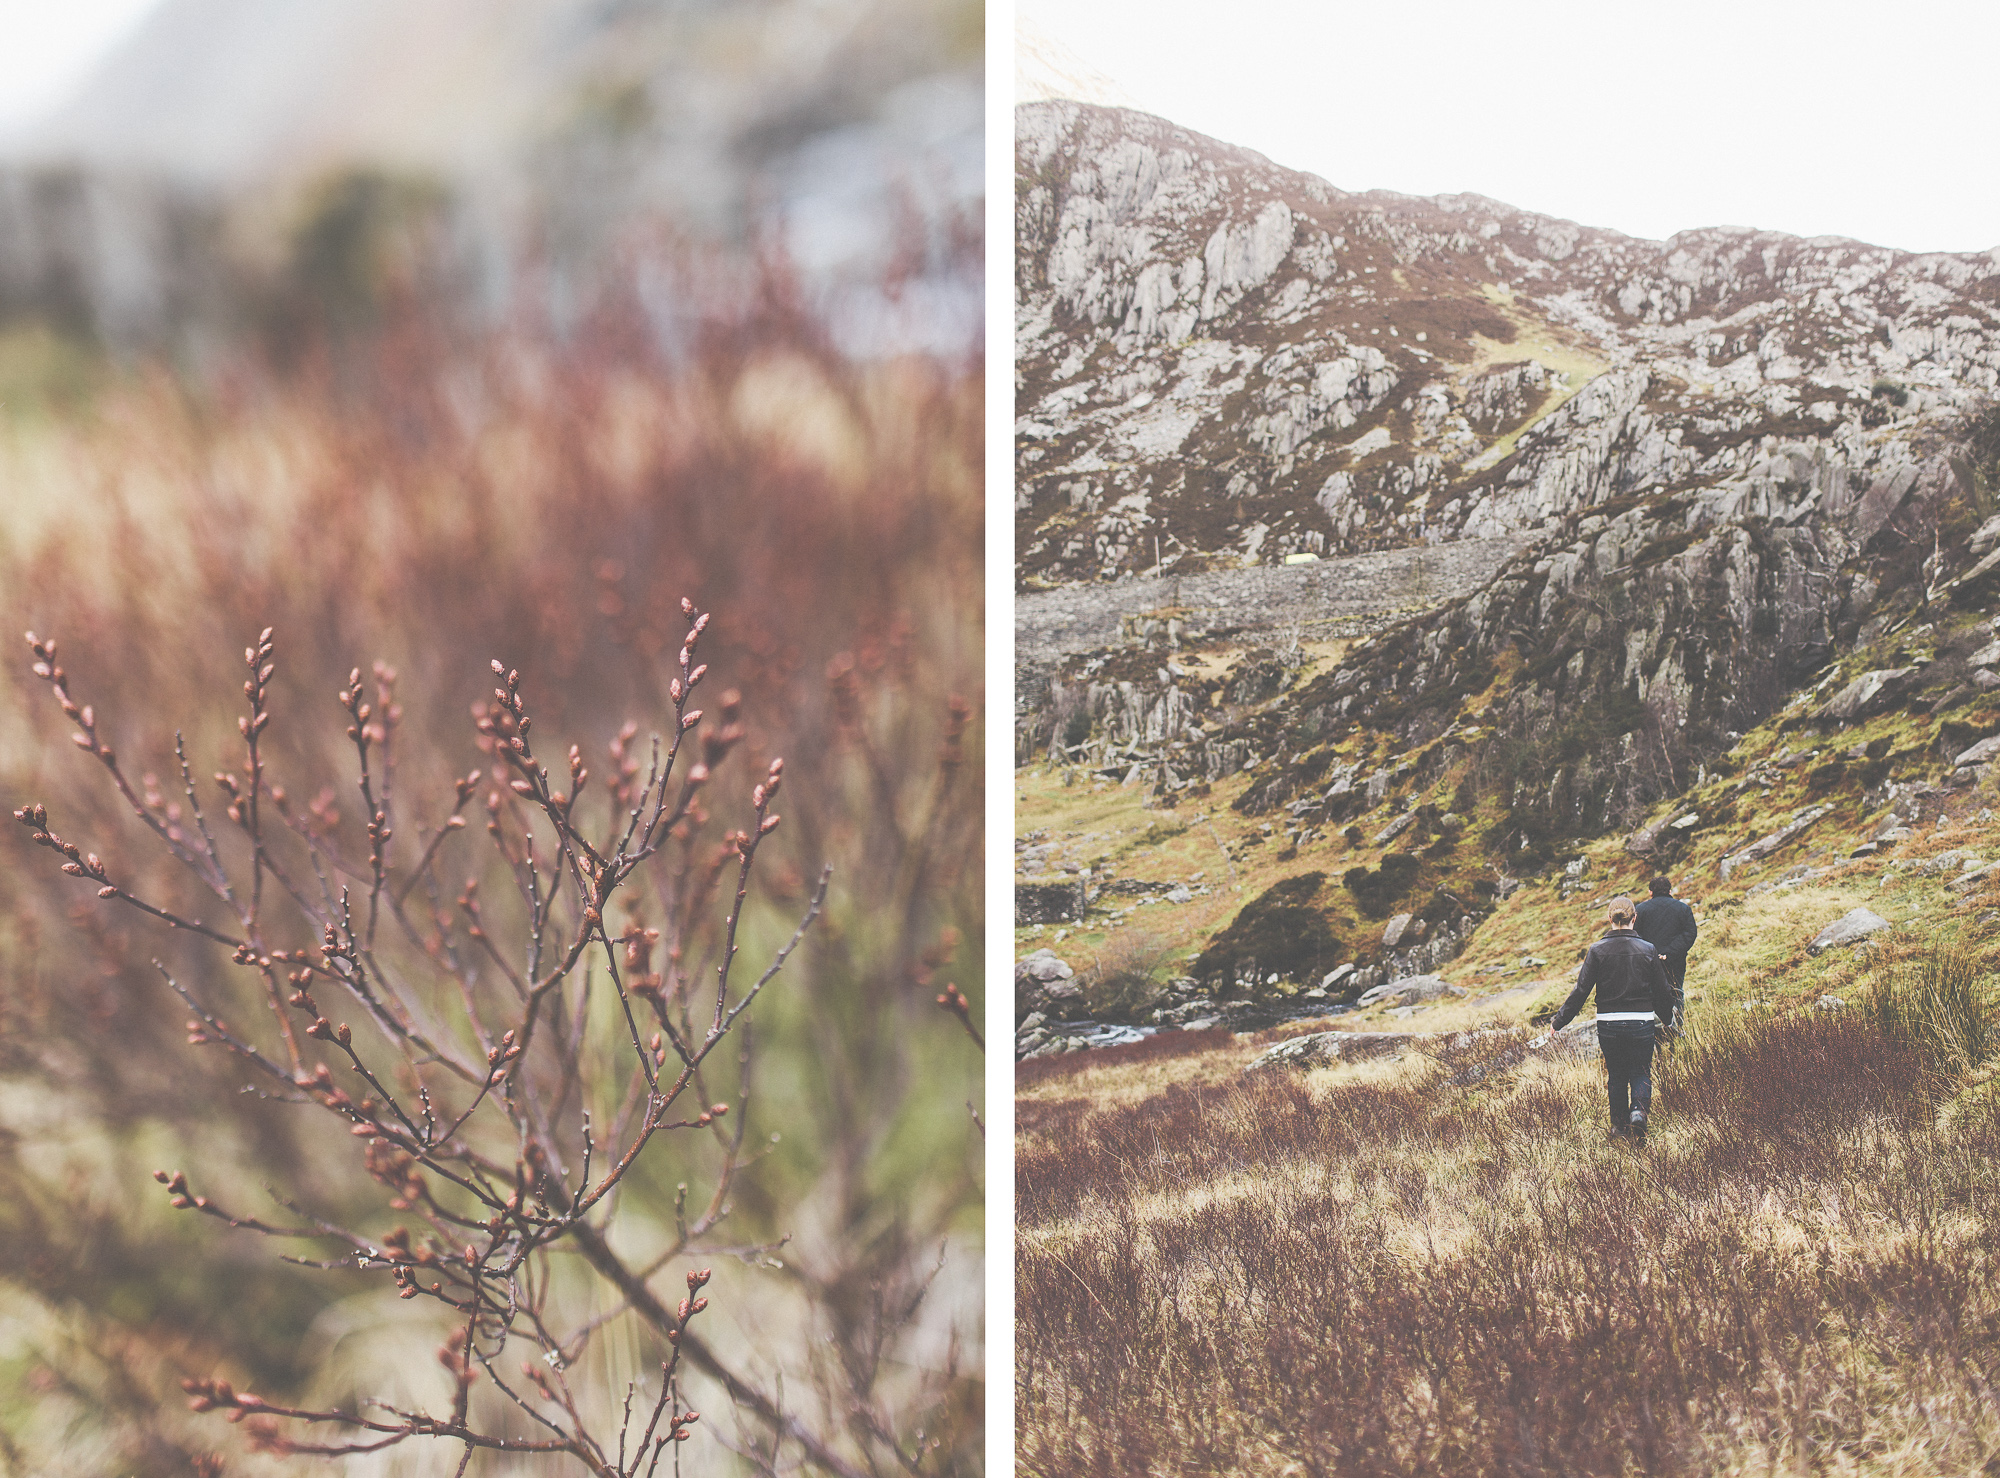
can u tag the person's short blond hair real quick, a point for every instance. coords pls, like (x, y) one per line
(1621, 911)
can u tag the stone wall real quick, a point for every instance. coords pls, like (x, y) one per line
(1049, 903)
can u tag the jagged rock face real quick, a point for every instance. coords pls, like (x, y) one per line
(1628, 660)
(1223, 361)
(1725, 457)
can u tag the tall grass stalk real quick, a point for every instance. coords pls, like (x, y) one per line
(1941, 1001)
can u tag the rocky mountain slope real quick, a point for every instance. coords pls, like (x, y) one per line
(1243, 362)
(1747, 476)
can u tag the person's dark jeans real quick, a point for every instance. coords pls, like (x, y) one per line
(1628, 1064)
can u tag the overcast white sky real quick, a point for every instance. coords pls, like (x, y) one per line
(46, 46)
(1877, 121)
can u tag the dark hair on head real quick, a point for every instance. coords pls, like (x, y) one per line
(1661, 886)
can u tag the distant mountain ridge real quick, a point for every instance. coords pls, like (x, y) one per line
(1243, 362)
(230, 91)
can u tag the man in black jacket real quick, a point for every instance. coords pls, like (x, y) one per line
(1632, 990)
(1668, 925)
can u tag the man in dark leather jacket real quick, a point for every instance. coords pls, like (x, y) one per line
(1632, 990)
(1668, 925)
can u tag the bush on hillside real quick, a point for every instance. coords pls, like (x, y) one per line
(1377, 893)
(1125, 981)
(1279, 933)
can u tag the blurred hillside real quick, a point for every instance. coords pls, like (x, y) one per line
(521, 145)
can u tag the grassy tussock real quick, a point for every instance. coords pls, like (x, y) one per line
(1373, 1274)
(1937, 1003)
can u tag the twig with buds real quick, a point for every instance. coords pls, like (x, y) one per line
(471, 1092)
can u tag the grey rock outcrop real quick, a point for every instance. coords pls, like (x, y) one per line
(1867, 694)
(1850, 928)
(1985, 752)
(1046, 984)
(1225, 356)
(1317, 1049)
(1764, 846)
(1410, 991)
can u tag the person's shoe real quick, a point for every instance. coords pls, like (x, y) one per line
(1638, 1129)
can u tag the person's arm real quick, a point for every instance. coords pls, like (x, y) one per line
(1585, 979)
(1662, 989)
(1684, 937)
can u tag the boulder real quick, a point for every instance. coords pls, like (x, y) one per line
(1397, 928)
(1579, 1039)
(1409, 991)
(1869, 693)
(1395, 828)
(1983, 753)
(1041, 966)
(1322, 1047)
(1644, 841)
(1972, 877)
(1764, 846)
(1337, 977)
(1850, 928)
(1955, 860)
(1044, 983)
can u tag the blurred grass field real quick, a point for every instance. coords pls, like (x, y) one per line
(435, 500)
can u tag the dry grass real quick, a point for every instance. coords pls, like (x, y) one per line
(438, 503)
(1364, 1271)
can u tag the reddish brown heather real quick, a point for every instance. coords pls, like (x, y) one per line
(1160, 1048)
(1405, 1278)
(499, 961)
